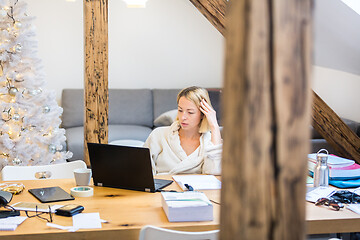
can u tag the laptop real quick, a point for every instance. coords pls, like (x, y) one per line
(123, 167)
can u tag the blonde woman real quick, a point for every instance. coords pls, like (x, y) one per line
(192, 144)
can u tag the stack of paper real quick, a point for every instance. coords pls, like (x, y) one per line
(339, 168)
(187, 206)
(10, 223)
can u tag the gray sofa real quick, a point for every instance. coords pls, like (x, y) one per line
(133, 113)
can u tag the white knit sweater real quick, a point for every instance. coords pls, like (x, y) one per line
(168, 157)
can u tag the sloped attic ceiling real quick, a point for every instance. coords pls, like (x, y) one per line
(337, 36)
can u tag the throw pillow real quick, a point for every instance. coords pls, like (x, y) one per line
(166, 119)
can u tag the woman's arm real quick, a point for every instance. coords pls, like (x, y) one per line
(212, 159)
(210, 115)
(154, 145)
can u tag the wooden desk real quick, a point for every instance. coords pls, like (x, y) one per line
(323, 220)
(128, 211)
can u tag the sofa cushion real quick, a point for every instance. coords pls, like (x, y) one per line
(131, 106)
(126, 106)
(72, 101)
(75, 137)
(166, 119)
(164, 100)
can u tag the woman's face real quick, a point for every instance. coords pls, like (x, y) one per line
(189, 114)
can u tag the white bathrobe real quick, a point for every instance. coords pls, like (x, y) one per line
(168, 157)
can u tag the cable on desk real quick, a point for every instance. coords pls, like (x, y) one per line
(214, 202)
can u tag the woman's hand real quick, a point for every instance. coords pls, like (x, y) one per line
(210, 115)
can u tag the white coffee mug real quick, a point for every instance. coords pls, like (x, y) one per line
(82, 176)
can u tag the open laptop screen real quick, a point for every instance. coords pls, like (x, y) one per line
(122, 167)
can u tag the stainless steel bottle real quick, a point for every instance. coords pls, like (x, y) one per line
(321, 171)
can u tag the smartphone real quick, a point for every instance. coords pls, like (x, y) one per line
(69, 210)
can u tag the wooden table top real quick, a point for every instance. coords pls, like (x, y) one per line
(128, 211)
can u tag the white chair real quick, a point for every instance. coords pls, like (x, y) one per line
(54, 171)
(128, 142)
(155, 233)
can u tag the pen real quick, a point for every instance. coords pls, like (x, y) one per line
(189, 187)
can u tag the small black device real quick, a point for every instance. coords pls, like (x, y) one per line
(69, 210)
(50, 194)
(7, 213)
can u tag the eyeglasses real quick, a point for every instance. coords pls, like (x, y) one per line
(330, 202)
(38, 214)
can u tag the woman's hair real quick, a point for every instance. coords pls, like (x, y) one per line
(195, 95)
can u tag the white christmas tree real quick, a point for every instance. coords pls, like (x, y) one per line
(30, 115)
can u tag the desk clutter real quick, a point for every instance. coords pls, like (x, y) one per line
(50, 203)
(335, 199)
(342, 172)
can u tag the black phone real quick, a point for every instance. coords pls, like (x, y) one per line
(69, 210)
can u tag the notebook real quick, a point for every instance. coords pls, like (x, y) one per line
(123, 167)
(50, 194)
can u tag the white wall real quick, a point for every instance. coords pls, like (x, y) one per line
(169, 44)
(340, 90)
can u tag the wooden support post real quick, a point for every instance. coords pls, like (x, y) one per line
(344, 141)
(267, 103)
(96, 73)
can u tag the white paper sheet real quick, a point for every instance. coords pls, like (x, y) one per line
(198, 182)
(10, 223)
(354, 207)
(87, 220)
(319, 192)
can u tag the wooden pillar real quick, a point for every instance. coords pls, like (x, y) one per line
(96, 73)
(267, 103)
(325, 119)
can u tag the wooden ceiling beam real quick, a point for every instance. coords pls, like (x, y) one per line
(214, 11)
(325, 120)
(334, 130)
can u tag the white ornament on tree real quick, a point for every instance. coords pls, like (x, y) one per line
(16, 117)
(52, 148)
(3, 13)
(13, 91)
(17, 25)
(17, 48)
(46, 109)
(16, 161)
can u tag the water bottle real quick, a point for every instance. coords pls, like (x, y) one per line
(321, 171)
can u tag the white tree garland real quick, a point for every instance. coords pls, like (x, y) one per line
(30, 115)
